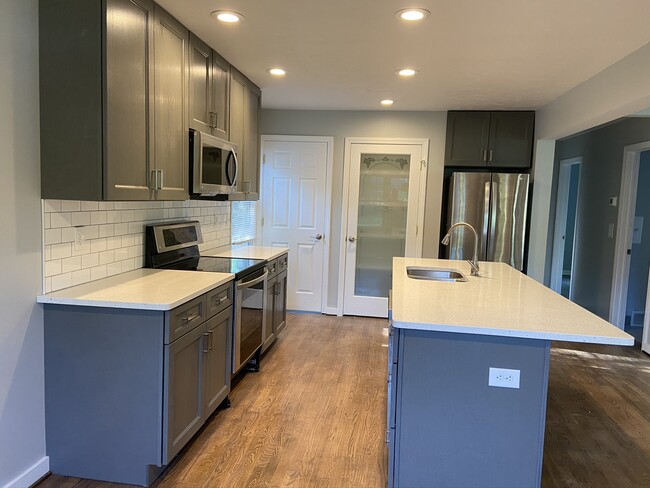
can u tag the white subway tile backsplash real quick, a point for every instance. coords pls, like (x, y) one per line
(67, 234)
(113, 235)
(61, 250)
(70, 206)
(71, 264)
(61, 281)
(52, 236)
(98, 272)
(98, 245)
(51, 206)
(106, 257)
(81, 276)
(90, 260)
(52, 267)
(61, 219)
(89, 205)
(80, 218)
(107, 230)
(98, 218)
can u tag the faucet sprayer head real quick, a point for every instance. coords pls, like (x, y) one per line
(445, 240)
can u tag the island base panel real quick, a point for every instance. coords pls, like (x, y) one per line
(451, 428)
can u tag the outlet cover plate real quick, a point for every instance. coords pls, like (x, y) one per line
(504, 378)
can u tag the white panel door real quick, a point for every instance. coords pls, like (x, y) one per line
(385, 214)
(293, 197)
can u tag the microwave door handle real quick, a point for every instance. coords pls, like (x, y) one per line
(248, 284)
(228, 168)
(234, 180)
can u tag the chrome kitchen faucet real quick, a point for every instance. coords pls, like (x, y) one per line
(474, 261)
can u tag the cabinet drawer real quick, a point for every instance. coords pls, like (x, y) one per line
(283, 262)
(184, 318)
(219, 299)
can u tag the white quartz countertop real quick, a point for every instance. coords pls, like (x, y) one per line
(248, 252)
(501, 302)
(144, 289)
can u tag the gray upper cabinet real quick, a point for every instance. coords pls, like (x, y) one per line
(245, 106)
(489, 139)
(171, 80)
(209, 89)
(113, 91)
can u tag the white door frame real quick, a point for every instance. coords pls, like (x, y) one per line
(561, 215)
(327, 241)
(346, 193)
(625, 227)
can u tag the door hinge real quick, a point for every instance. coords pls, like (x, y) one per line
(417, 230)
(263, 158)
(261, 221)
(423, 164)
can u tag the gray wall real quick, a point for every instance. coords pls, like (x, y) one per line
(602, 152)
(22, 430)
(640, 261)
(342, 124)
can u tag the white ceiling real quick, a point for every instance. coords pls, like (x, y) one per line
(470, 54)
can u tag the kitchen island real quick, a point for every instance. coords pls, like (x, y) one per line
(468, 374)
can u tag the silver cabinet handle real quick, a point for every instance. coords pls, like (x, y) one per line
(223, 298)
(490, 156)
(352, 239)
(160, 182)
(206, 344)
(153, 183)
(185, 320)
(485, 155)
(318, 237)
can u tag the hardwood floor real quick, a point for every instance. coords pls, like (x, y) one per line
(315, 416)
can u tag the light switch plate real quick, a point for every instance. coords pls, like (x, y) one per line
(504, 378)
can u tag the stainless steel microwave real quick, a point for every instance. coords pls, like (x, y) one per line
(214, 166)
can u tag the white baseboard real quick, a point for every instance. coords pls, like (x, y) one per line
(330, 311)
(31, 475)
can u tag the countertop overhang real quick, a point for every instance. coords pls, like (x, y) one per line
(140, 289)
(247, 252)
(500, 302)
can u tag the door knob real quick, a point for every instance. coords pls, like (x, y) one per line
(352, 239)
(318, 237)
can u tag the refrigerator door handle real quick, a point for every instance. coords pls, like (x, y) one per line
(486, 218)
(493, 219)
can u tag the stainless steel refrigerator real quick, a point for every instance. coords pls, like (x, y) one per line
(495, 204)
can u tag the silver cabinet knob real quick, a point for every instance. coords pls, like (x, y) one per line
(318, 237)
(352, 239)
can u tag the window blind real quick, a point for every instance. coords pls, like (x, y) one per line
(243, 219)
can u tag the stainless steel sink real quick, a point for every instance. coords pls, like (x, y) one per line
(434, 274)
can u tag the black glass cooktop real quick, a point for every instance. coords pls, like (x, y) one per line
(238, 266)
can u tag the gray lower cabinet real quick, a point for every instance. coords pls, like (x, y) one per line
(209, 89)
(275, 318)
(446, 428)
(245, 109)
(113, 101)
(125, 390)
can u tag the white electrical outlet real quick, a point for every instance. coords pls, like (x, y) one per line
(79, 239)
(504, 378)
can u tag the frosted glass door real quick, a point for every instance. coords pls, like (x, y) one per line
(381, 226)
(384, 208)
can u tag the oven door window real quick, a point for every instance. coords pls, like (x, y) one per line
(251, 320)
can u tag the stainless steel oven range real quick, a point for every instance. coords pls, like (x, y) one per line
(176, 246)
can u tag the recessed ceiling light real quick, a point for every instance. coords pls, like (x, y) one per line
(227, 16)
(406, 72)
(277, 71)
(387, 102)
(412, 14)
